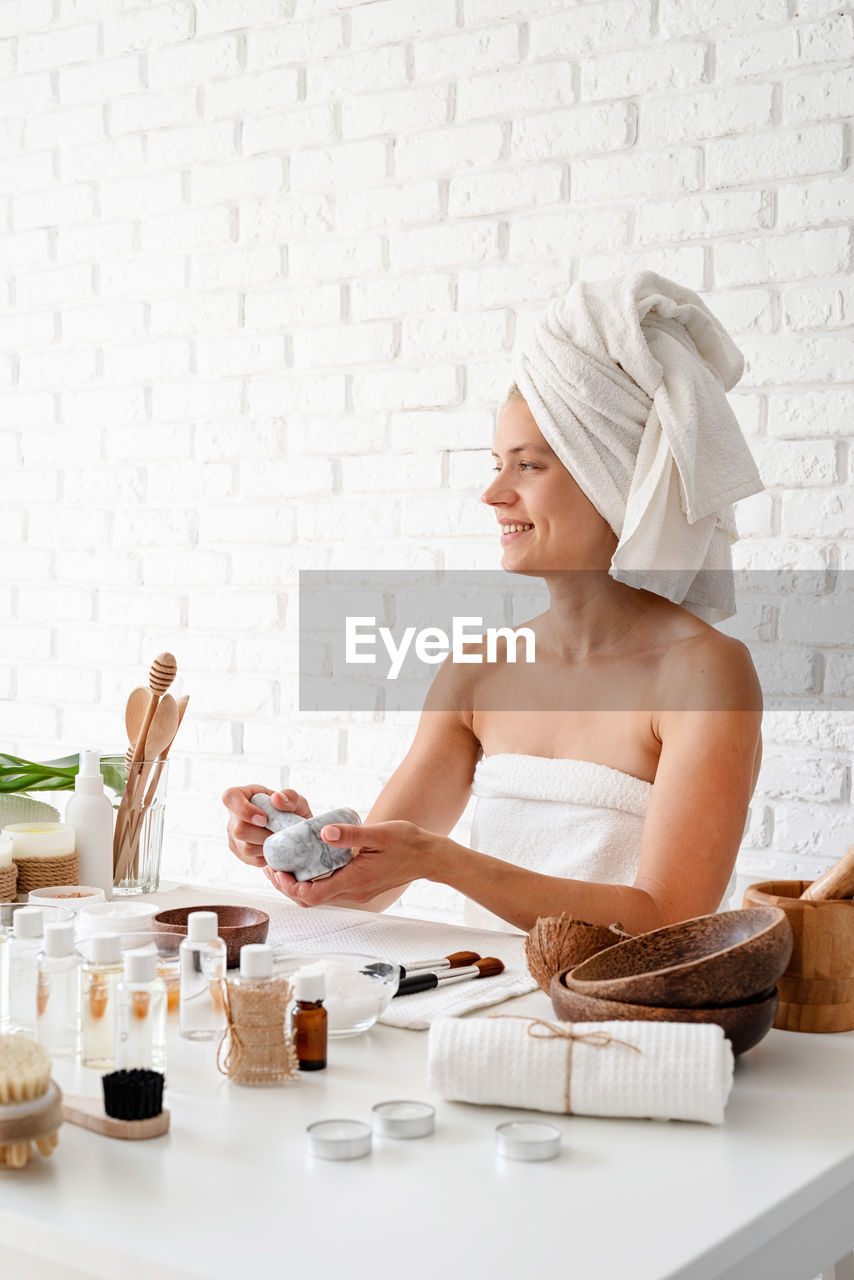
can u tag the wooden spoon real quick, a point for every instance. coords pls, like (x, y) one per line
(164, 726)
(161, 755)
(161, 675)
(137, 705)
(837, 882)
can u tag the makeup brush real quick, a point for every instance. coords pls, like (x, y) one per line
(489, 967)
(457, 960)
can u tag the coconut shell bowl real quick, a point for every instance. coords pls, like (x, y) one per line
(237, 926)
(744, 1024)
(712, 960)
(720, 968)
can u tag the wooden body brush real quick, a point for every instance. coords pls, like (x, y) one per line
(30, 1102)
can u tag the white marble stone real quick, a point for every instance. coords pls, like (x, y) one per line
(295, 844)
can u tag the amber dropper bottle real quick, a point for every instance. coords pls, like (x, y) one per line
(309, 1021)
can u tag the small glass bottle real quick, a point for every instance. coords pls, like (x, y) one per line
(24, 947)
(141, 1013)
(101, 974)
(201, 960)
(58, 992)
(309, 1021)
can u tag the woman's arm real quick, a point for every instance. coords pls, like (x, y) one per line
(710, 749)
(710, 744)
(430, 787)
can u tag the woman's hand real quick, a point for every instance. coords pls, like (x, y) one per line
(387, 855)
(247, 824)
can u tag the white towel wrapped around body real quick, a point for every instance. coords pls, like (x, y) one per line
(560, 817)
(626, 379)
(683, 1071)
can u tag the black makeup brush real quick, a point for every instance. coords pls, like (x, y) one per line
(489, 967)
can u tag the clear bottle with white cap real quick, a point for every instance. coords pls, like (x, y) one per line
(202, 963)
(141, 1012)
(24, 947)
(58, 992)
(90, 813)
(100, 975)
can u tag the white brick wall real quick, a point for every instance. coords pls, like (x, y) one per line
(261, 267)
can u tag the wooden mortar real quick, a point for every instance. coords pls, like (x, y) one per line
(817, 988)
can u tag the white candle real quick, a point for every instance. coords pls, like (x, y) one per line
(5, 851)
(40, 839)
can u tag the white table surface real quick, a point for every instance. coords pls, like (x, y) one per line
(230, 1191)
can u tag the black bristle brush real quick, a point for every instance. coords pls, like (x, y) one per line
(133, 1106)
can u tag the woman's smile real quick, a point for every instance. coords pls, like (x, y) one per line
(512, 530)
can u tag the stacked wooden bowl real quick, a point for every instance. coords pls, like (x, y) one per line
(719, 968)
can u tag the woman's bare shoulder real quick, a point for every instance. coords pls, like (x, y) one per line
(703, 669)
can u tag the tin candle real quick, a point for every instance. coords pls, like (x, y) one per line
(339, 1139)
(527, 1140)
(404, 1119)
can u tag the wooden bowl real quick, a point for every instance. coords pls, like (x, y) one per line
(817, 988)
(720, 959)
(743, 1024)
(237, 926)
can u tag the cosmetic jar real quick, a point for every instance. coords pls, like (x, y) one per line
(339, 1139)
(40, 839)
(404, 1119)
(527, 1140)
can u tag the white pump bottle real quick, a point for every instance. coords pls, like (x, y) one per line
(90, 813)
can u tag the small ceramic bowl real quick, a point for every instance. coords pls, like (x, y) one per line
(237, 926)
(358, 988)
(73, 896)
(744, 1024)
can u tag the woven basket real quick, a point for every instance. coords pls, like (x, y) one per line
(44, 873)
(8, 876)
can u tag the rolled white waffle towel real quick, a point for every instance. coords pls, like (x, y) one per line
(675, 1071)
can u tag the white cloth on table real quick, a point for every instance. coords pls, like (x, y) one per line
(626, 379)
(560, 817)
(684, 1071)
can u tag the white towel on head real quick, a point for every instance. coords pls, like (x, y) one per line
(626, 379)
(684, 1071)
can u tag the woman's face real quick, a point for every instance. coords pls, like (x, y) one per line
(556, 525)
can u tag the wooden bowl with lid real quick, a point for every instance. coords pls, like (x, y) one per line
(718, 959)
(237, 926)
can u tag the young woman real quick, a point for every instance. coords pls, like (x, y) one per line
(621, 792)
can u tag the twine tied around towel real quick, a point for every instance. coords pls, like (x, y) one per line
(259, 1049)
(542, 1029)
